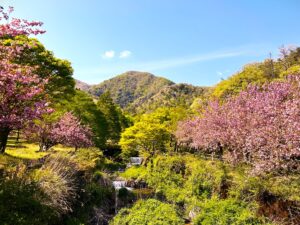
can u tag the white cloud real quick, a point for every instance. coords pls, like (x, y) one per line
(108, 54)
(157, 65)
(125, 54)
(220, 73)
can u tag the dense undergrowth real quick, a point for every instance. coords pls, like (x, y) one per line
(212, 192)
(61, 186)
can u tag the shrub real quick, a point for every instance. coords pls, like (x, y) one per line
(21, 204)
(179, 178)
(149, 212)
(225, 212)
(56, 179)
(134, 172)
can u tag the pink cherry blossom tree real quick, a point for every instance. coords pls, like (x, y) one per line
(70, 132)
(66, 130)
(11, 27)
(40, 131)
(22, 96)
(260, 126)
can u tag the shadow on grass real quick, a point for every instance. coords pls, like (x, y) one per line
(16, 146)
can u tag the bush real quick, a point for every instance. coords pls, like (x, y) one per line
(149, 212)
(226, 212)
(179, 178)
(134, 172)
(56, 179)
(21, 204)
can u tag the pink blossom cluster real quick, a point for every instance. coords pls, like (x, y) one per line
(21, 91)
(70, 132)
(260, 126)
(13, 27)
(67, 131)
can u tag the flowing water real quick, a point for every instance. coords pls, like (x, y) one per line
(136, 160)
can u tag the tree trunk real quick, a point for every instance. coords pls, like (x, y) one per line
(45, 146)
(18, 136)
(4, 132)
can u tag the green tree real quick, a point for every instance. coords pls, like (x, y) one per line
(252, 73)
(116, 121)
(293, 70)
(152, 133)
(59, 72)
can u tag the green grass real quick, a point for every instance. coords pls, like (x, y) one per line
(26, 151)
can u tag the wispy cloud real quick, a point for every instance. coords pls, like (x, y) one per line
(125, 54)
(182, 61)
(113, 68)
(108, 54)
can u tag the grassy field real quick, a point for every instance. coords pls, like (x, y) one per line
(26, 151)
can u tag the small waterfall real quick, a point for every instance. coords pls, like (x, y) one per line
(136, 160)
(118, 184)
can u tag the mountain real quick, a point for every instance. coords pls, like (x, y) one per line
(140, 92)
(170, 96)
(82, 86)
(130, 87)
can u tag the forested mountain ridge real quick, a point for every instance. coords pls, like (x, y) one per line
(130, 86)
(170, 96)
(141, 91)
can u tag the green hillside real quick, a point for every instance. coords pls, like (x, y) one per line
(170, 96)
(130, 87)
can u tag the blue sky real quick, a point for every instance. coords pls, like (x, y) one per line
(188, 41)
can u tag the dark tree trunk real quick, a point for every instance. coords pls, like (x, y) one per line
(18, 136)
(45, 145)
(4, 132)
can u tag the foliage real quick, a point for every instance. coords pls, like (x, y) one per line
(252, 73)
(176, 95)
(224, 212)
(70, 132)
(57, 71)
(65, 130)
(246, 187)
(259, 126)
(148, 135)
(14, 27)
(83, 107)
(293, 70)
(22, 96)
(56, 179)
(260, 73)
(86, 159)
(185, 179)
(41, 131)
(148, 212)
(135, 172)
(20, 205)
(16, 32)
(115, 119)
(152, 132)
(130, 87)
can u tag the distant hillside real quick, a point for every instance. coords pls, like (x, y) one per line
(140, 92)
(82, 86)
(130, 87)
(173, 95)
